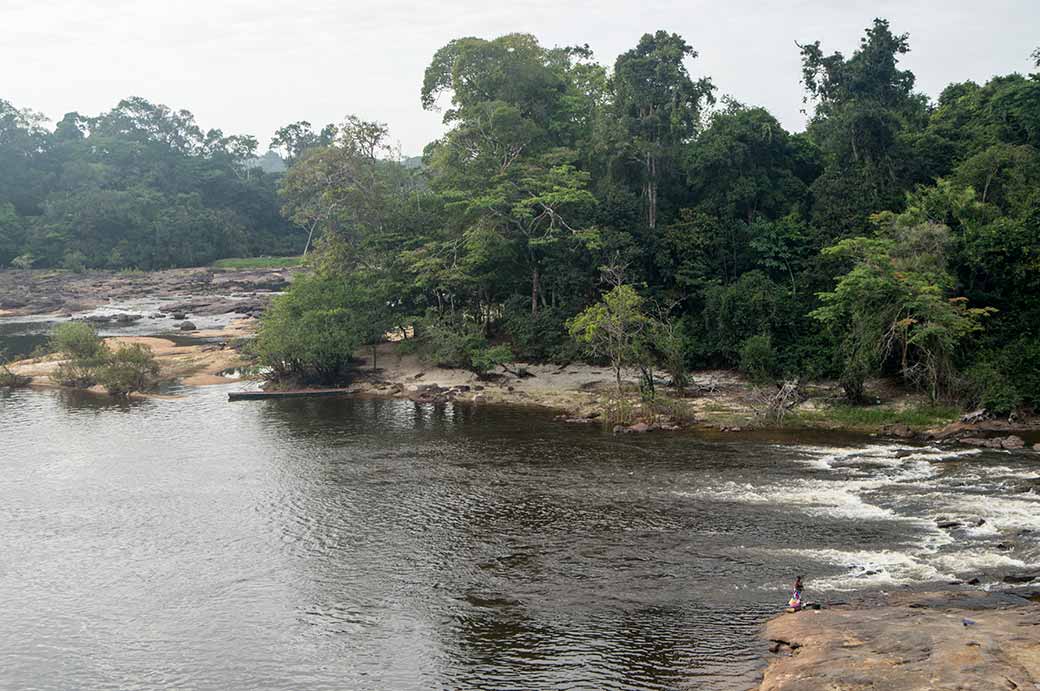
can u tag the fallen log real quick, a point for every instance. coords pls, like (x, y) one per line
(295, 393)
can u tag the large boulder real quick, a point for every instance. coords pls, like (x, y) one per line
(188, 326)
(1012, 442)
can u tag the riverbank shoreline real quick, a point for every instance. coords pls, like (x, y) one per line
(716, 401)
(935, 640)
(226, 302)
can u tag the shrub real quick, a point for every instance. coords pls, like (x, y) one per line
(78, 374)
(484, 359)
(312, 331)
(757, 359)
(735, 313)
(986, 386)
(1018, 360)
(677, 409)
(670, 343)
(76, 340)
(462, 345)
(130, 368)
(538, 337)
(618, 411)
(1005, 380)
(74, 261)
(9, 379)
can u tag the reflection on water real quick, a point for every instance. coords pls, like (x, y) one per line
(367, 544)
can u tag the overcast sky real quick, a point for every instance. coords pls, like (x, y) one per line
(249, 66)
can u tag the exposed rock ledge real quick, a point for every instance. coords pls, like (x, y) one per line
(953, 640)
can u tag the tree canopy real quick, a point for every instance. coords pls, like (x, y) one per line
(895, 235)
(140, 186)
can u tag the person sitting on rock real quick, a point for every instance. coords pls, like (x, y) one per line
(795, 603)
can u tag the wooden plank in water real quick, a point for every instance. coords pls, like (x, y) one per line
(297, 393)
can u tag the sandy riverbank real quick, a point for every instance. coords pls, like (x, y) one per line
(908, 642)
(716, 400)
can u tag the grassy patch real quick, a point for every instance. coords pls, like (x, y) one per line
(258, 262)
(871, 417)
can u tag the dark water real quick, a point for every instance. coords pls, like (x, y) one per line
(19, 340)
(350, 544)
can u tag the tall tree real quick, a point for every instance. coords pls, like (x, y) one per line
(506, 167)
(862, 106)
(658, 107)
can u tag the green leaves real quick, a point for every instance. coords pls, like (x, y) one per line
(310, 333)
(895, 301)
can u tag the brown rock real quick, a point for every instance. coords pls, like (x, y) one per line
(1012, 442)
(900, 430)
(979, 441)
(888, 645)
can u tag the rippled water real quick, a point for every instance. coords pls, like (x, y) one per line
(363, 544)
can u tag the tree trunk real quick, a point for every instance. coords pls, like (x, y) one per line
(535, 288)
(650, 190)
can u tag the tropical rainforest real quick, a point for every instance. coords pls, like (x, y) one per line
(629, 213)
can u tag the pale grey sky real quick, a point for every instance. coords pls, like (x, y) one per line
(249, 66)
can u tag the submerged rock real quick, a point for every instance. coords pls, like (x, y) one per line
(1018, 579)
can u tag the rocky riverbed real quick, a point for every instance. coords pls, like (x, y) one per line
(189, 318)
(204, 290)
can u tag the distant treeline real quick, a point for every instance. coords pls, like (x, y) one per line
(140, 186)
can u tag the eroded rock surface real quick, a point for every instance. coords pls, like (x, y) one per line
(955, 640)
(45, 292)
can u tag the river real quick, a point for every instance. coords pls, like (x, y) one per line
(371, 544)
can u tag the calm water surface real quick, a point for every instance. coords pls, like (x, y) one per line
(358, 544)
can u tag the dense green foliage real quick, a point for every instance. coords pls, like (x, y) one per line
(76, 340)
(141, 186)
(88, 361)
(128, 369)
(895, 235)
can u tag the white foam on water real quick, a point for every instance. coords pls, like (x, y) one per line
(1002, 514)
(970, 562)
(829, 498)
(867, 569)
(861, 474)
(827, 457)
(892, 455)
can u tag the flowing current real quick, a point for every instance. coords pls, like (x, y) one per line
(366, 544)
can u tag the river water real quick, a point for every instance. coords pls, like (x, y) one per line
(368, 544)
